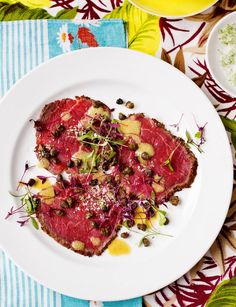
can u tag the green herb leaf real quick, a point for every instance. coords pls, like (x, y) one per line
(168, 163)
(188, 136)
(88, 135)
(162, 217)
(198, 135)
(34, 222)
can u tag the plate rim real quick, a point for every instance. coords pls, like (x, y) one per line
(170, 16)
(183, 76)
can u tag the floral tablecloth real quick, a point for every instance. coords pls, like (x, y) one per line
(180, 42)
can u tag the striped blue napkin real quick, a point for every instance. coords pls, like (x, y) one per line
(24, 45)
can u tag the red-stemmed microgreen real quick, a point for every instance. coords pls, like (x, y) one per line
(28, 207)
(26, 168)
(200, 134)
(177, 125)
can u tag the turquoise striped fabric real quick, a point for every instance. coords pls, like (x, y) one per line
(23, 46)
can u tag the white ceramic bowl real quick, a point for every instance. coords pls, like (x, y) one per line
(152, 8)
(213, 56)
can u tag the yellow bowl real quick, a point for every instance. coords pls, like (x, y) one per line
(173, 8)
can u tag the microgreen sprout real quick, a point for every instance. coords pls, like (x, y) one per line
(190, 141)
(168, 161)
(178, 123)
(28, 206)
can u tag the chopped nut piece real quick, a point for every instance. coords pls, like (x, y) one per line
(95, 241)
(157, 187)
(78, 245)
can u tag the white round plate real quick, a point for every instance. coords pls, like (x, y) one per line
(161, 92)
(213, 55)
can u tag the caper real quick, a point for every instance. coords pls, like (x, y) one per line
(59, 177)
(142, 227)
(61, 128)
(89, 215)
(122, 116)
(38, 125)
(97, 104)
(146, 242)
(129, 105)
(31, 182)
(78, 162)
(60, 212)
(124, 235)
(53, 152)
(105, 231)
(37, 201)
(64, 204)
(128, 171)
(145, 156)
(55, 160)
(166, 221)
(70, 163)
(45, 153)
(148, 172)
(70, 201)
(94, 224)
(174, 200)
(105, 166)
(93, 182)
(151, 212)
(133, 146)
(104, 207)
(129, 223)
(56, 133)
(119, 101)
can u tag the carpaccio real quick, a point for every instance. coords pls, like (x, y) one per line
(113, 166)
(82, 217)
(57, 128)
